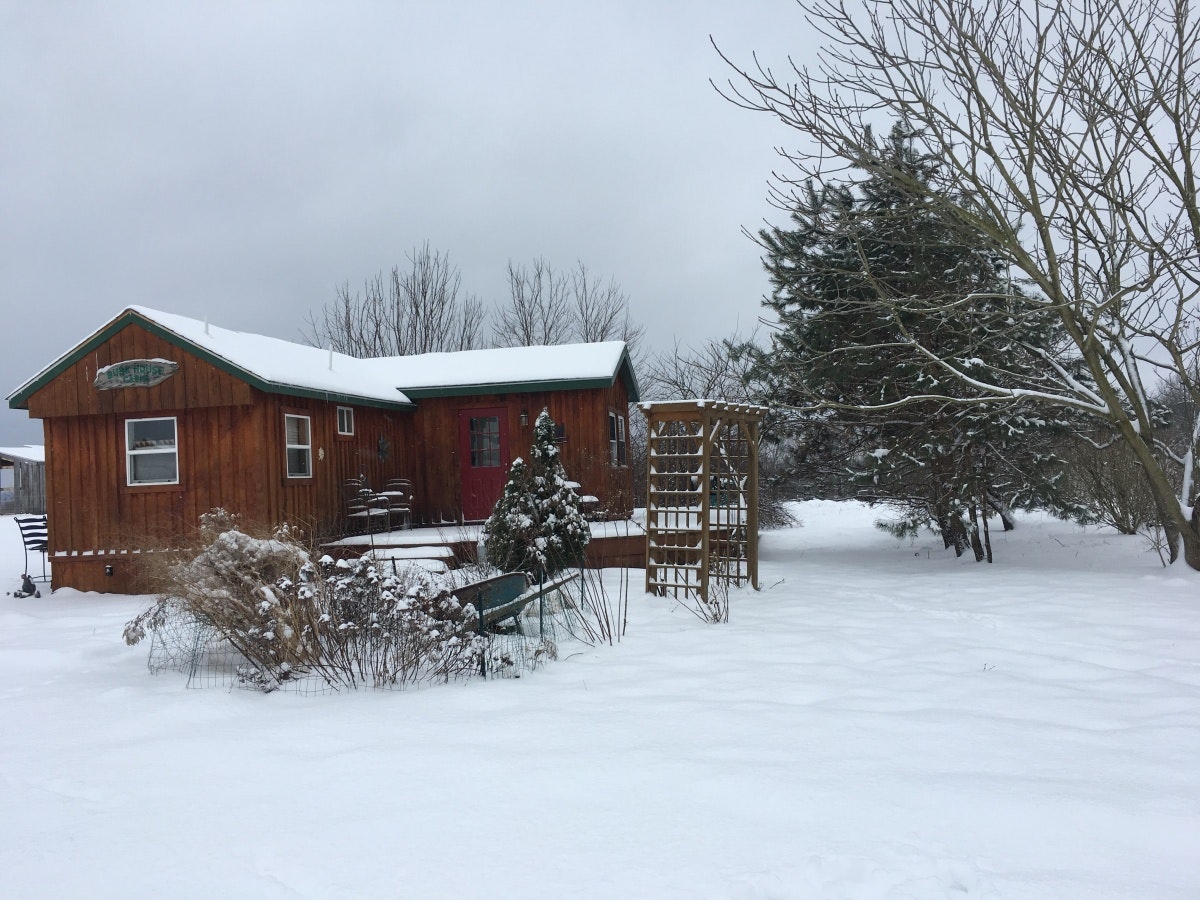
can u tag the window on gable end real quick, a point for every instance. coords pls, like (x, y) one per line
(151, 451)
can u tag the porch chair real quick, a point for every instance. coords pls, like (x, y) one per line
(35, 537)
(364, 509)
(399, 495)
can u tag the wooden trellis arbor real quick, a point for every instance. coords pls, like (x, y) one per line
(702, 502)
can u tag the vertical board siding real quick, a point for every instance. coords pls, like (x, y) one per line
(315, 504)
(197, 383)
(583, 413)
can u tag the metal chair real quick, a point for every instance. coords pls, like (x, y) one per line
(364, 509)
(36, 537)
(399, 495)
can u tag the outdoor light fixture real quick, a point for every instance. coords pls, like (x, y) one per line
(524, 418)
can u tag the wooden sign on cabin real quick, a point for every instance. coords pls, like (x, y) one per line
(134, 373)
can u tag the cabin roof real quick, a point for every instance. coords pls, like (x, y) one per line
(283, 367)
(270, 364)
(513, 370)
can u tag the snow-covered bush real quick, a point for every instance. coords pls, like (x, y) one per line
(537, 526)
(289, 616)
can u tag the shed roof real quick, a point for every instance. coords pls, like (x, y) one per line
(278, 366)
(35, 453)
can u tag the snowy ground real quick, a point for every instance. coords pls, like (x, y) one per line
(882, 720)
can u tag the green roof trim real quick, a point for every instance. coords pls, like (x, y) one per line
(20, 399)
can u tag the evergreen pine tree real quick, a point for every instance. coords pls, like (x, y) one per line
(886, 312)
(512, 527)
(537, 525)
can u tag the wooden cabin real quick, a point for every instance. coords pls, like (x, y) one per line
(156, 418)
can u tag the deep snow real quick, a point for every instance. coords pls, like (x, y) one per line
(881, 720)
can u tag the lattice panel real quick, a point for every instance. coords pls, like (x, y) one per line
(701, 508)
(729, 503)
(675, 552)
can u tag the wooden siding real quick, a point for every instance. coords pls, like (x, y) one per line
(434, 452)
(196, 384)
(377, 450)
(91, 507)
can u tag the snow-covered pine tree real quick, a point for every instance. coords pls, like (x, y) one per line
(878, 297)
(536, 526)
(565, 532)
(512, 527)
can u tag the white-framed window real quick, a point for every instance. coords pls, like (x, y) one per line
(151, 451)
(345, 416)
(297, 432)
(617, 452)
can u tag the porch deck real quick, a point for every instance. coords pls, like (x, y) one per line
(621, 543)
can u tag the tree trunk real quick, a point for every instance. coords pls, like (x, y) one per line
(1191, 540)
(976, 544)
(953, 533)
(987, 534)
(1000, 508)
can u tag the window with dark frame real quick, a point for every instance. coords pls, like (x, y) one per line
(298, 439)
(617, 454)
(151, 451)
(345, 420)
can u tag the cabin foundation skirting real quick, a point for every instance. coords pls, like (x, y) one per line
(623, 552)
(106, 572)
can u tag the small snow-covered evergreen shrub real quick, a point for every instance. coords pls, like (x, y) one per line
(512, 528)
(288, 616)
(537, 526)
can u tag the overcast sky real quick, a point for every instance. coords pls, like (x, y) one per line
(241, 160)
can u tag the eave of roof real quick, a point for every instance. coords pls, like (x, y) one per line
(598, 377)
(19, 399)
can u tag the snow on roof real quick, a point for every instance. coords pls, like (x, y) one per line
(432, 373)
(28, 453)
(283, 363)
(286, 366)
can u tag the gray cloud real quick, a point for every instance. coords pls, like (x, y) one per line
(239, 161)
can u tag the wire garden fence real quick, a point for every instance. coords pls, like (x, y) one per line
(342, 625)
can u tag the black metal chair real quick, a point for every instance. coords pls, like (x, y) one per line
(36, 537)
(398, 492)
(361, 513)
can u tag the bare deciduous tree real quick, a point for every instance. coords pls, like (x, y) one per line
(1069, 128)
(548, 307)
(538, 310)
(717, 369)
(417, 310)
(602, 310)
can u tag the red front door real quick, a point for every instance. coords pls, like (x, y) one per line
(483, 459)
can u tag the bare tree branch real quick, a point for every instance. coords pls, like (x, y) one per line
(1068, 128)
